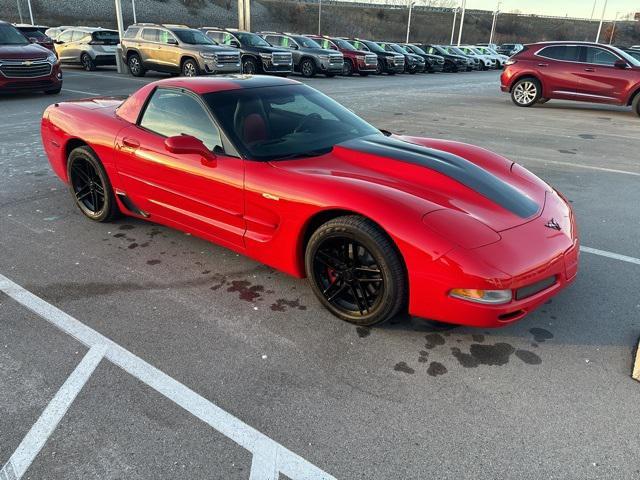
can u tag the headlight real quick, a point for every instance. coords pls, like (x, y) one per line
(208, 55)
(360, 57)
(323, 58)
(51, 58)
(482, 296)
(266, 56)
(509, 62)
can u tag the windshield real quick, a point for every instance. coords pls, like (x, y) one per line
(476, 51)
(374, 47)
(193, 37)
(252, 40)
(397, 48)
(9, 35)
(633, 61)
(343, 44)
(307, 42)
(271, 123)
(456, 51)
(417, 50)
(30, 32)
(106, 38)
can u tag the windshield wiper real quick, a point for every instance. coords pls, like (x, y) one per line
(310, 153)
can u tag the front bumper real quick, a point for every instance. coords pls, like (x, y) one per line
(51, 81)
(327, 67)
(269, 67)
(435, 67)
(208, 65)
(526, 255)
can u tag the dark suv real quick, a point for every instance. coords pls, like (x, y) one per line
(309, 58)
(388, 62)
(433, 63)
(355, 61)
(584, 71)
(452, 63)
(412, 63)
(25, 65)
(257, 56)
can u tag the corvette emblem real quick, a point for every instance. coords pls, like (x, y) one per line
(553, 224)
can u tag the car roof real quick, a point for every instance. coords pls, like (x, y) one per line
(202, 85)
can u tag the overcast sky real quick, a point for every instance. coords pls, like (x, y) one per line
(573, 8)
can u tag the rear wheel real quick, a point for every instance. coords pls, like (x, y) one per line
(135, 65)
(356, 271)
(307, 68)
(347, 68)
(90, 186)
(87, 62)
(526, 92)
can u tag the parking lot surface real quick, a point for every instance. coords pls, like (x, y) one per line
(548, 397)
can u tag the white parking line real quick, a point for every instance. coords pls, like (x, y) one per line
(615, 256)
(94, 94)
(575, 165)
(269, 457)
(51, 416)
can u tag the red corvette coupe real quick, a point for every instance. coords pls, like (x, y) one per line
(278, 171)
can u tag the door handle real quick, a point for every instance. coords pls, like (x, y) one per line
(130, 142)
(589, 69)
(543, 64)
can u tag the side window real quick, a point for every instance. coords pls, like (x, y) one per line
(285, 42)
(600, 56)
(215, 36)
(302, 106)
(326, 44)
(65, 36)
(79, 36)
(131, 32)
(226, 39)
(569, 53)
(273, 40)
(164, 36)
(150, 34)
(170, 113)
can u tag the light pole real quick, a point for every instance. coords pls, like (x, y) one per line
(601, 20)
(20, 12)
(411, 4)
(119, 63)
(320, 17)
(593, 10)
(493, 24)
(464, 7)
(614, 27)
(133, 6)
(244, 15)
(453, 27)
(30, 12)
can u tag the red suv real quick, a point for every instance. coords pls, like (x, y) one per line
(588, 72)
(25, 65)
(355, 61)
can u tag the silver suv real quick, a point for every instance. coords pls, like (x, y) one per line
(89, 47)
(175, 49)
(309, 57)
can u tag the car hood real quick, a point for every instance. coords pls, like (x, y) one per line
(264, 49)
(489, 188)
(212, 49)
(320, 51)
(31, 51)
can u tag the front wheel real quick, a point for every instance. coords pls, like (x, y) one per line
(307, 68)
(526, 92)
(379, 68)
(249, 66)
(347, 68)
(355, 271)
(635, 105)
(90, 186)
(87, 62)
(190, 68)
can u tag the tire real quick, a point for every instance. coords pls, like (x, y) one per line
(308, 68)
(90, 186)
(635, 105)
(87, 62)
(379, 67)
(54, 91)
(347, 68)
(526, 92)
(134, 63)
(249, 66)
(190, 68)
(368, 285)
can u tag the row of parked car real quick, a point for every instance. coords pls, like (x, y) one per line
(188, 51)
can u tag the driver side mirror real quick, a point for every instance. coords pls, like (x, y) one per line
(294, 46)
(58, 42)
(620, 64)
(33, 40)
(172, 41)
(186, 145)
(234, 43)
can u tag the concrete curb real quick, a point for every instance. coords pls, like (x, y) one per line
(636, 366)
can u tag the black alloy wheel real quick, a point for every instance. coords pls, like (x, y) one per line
(347, 68)
(90, 185)
(379, 68)
(355, 271)
(249, 66)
